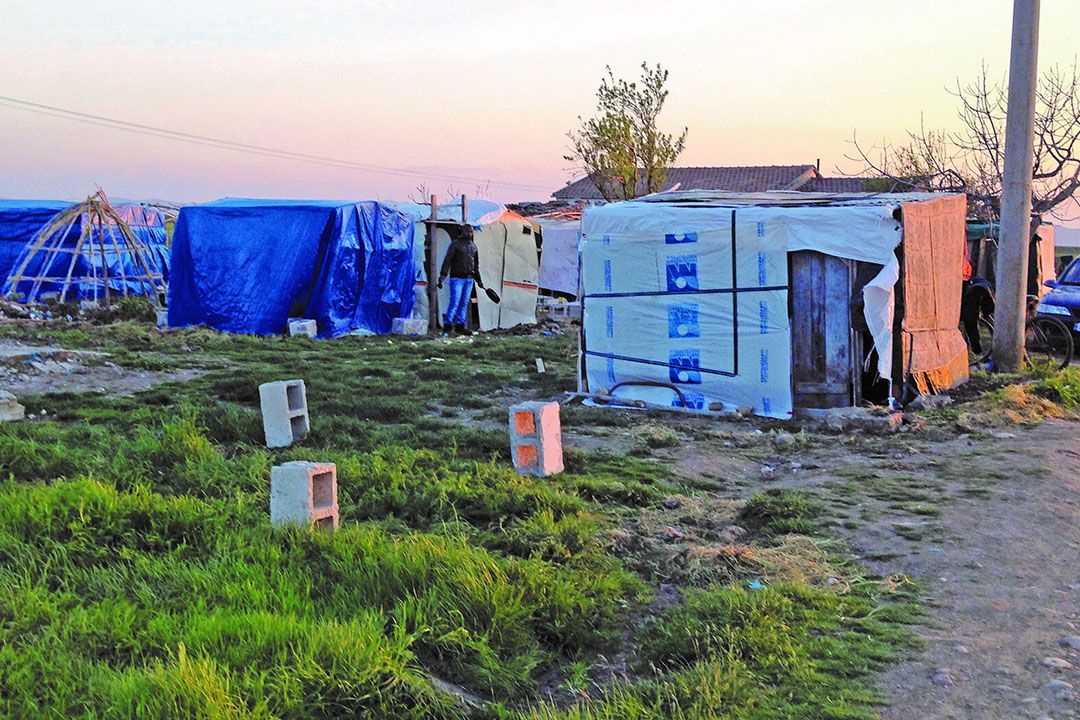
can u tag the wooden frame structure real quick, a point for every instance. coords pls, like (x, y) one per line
(101, 232)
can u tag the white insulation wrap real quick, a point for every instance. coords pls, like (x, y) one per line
(687, 305)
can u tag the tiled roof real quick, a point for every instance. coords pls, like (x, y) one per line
(835, 185)
(753, 178)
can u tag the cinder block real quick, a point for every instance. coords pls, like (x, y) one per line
(162, 317)
(409, 326)
(303, 326)
(284, 411)
(304, 493)
(536, 438)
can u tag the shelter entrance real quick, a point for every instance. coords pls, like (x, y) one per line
(822, 340)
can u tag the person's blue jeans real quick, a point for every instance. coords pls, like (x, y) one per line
(457, 312)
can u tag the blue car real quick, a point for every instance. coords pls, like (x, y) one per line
(1063, 301)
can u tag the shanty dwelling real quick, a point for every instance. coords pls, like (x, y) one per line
(559, 261)
(775, 302)
(50, 248)
(247, 266)
(1042, 255)
(509, 260)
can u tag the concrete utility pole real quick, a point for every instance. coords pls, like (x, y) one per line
(1015, 233)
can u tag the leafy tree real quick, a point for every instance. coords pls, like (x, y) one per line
(622, 147)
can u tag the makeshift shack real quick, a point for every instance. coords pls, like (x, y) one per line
(774, 302)
(247, 266)
(509, 260)
(982, 239)
(81, 251)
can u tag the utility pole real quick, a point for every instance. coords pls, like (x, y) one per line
(1014, 235)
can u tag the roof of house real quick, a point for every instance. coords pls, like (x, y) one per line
(752, 178)
(835, 185)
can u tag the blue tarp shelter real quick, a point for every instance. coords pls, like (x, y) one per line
(247, 266)
(22, 220)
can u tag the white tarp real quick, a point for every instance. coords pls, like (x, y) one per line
(675, 296)
(559, 261)
(508, 264)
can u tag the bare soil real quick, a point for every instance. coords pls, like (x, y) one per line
(41, 370)
(988, 525)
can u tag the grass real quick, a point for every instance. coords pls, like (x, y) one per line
(140, 576)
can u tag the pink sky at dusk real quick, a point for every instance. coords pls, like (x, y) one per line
(485, 90)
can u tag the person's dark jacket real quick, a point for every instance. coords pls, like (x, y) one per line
(462, 261)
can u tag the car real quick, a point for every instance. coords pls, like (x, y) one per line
(1063, 300)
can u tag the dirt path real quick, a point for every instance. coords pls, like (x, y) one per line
(988, 525)
(1004, 592)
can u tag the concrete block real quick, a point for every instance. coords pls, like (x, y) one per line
(304, 493)
(162, 317)
(303, 326)
(284, 412)
(409, 326)
(536, 438)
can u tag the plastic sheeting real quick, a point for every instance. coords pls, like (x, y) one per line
(559, 261)
(508, 261)
(247, 266)
(686, 299)
(22, 220)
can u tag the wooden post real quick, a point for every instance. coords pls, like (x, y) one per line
(464, 210)
(432, 271)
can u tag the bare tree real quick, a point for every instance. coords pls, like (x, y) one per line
(972, 159)
(622, 148)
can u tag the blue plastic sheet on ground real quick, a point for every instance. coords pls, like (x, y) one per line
(22, 220)
(247, 266)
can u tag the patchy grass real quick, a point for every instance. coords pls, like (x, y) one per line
(139, 574)
(780, 512)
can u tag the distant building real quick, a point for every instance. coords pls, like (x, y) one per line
(738, 179)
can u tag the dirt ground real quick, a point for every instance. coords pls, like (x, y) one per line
(987, 525)
(39, 370)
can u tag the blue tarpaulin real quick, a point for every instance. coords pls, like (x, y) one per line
(247, 266)
(22, 220)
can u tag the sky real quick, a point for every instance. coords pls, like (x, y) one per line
(483, 91)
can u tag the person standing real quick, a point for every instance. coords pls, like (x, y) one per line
(462, 265)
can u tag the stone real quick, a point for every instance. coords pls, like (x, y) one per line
(768, 472)
(303, 326)
(857, 419)
(536, 438)
(409, 326)
(1059, 689)
(284, 412)
(1072, 642)
(672, 503)
(785, 438)
(929, 402)
(942, 677)
(732, 533)
(670, 533)
(304, 493)
(1057, 663)
(10, 409)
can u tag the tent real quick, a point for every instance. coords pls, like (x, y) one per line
(509, 260)
(703, 300)
(247, 266)
(22, 223)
